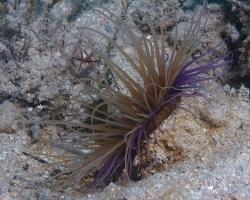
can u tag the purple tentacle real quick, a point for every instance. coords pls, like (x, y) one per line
(187, 84)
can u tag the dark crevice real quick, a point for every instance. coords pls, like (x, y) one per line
(237, 78)
(5, 98)
(236, 82)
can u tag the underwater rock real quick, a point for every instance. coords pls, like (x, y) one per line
(9, 116)
(240, 17)
(200, 156)
(157, 13)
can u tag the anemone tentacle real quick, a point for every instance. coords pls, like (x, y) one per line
(184, 85)
(130, 117)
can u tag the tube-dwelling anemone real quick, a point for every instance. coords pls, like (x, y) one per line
(163, 80)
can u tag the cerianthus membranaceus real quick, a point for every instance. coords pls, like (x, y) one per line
(162, 81)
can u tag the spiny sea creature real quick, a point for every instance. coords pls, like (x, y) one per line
(133, 113)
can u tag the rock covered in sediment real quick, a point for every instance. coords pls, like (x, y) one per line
(239, 16)
(204, 155)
